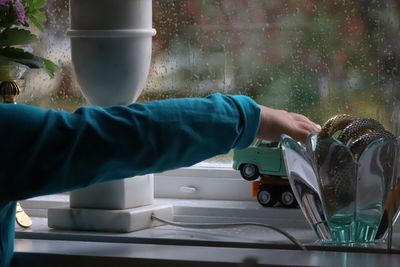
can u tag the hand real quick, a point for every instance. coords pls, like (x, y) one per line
(275, 122)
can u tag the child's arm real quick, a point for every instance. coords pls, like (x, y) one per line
(45, 152)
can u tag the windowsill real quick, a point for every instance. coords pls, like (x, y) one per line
(235, 243)
(174, 246)
(40, 242)
(207, 211)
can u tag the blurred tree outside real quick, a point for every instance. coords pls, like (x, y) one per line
(319, 58)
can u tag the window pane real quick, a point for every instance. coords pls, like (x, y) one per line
(319, 58)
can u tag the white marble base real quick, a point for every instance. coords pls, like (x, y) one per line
(121, 221)
(122, 194)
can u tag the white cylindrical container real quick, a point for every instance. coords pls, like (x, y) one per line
(111, 66)
(110, 14)
(111, 45)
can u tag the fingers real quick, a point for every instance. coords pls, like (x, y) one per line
(309, 126)
(275, 122)
(307, 123)
(303, 129)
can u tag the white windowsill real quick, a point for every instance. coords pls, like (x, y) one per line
(220, 195)
(169, 245)
(40, 243)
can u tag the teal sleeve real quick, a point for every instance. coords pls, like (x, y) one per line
(47, 151)
(7, 224)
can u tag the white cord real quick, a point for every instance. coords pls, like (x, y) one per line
(224, 225)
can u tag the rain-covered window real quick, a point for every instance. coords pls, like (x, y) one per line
(318, 58)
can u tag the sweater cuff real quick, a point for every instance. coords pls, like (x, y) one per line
(249, 119)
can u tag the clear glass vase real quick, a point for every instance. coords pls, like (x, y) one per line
(343, 198)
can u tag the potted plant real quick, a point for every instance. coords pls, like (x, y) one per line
(19, 19)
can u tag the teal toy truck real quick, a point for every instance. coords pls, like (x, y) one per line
(264, 160)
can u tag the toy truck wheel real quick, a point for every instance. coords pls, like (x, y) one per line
(287, 199)
(267, 196)
(249, 172)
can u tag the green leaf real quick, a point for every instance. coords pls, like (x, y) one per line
(34, 13)
(32, 5)
(15, 36)
(23, 57)
(39, 15)
(39, 4)
(51, 68)
(38, 19)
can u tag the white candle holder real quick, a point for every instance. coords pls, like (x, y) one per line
(111, 44)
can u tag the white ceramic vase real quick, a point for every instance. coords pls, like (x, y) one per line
(111, 45)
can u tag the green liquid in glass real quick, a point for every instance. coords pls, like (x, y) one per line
(346, 228)
(342, 228)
